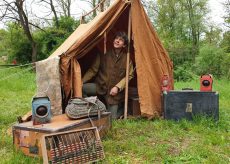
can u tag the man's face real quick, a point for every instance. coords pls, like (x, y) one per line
(118, 42)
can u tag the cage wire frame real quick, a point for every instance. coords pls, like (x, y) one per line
(75, 146)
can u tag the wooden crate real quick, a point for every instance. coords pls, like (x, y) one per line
(27, 137)
(134, 107)
(133, 102)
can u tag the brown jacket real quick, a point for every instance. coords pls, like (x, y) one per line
(110, 71)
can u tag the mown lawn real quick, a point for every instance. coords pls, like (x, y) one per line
(133, 140)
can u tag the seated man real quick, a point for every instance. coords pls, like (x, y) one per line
(109, 71)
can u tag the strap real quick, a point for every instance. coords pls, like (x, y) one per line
(91, 121)
(90, 107)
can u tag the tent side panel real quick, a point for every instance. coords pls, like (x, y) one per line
(152, 61)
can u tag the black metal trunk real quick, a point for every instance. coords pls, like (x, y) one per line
(186, 104)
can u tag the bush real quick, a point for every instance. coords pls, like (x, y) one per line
(180, 53)
(183, 72)
(68, 24)
(18, 46)
(211, 60)
(48, 41)
(52, 38)
(225, 66)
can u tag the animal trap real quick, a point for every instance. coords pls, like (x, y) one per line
(78, 146)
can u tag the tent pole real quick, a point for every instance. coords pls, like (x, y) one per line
(127, 67)
(105, 40)
(71, 77)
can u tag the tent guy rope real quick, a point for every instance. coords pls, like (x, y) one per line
(3, 69)
(17, 73)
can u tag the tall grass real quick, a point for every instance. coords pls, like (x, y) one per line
(132, 140)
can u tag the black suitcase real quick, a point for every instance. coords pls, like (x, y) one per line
(186, 104)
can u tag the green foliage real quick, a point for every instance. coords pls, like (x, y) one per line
(14, 43)
(180, 25)
(225, 44)
(212, 35)
(68, 24)
(226, 6)
(3, 44)
(180, 53)
(182, 28)
(225, 66)
(17, 46)
(210, 61)
(183, 72)
(50, 39)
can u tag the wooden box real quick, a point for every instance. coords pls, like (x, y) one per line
(133, 102)
(27, 137)
(134, 107)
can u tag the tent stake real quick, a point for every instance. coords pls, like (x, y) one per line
(127, 67)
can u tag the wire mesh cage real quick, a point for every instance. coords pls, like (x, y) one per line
(78, 146)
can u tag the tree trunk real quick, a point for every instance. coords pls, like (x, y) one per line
(94, 5)
(55, 13)
(101, 5)
(34, 51)
(68, 7)
(25, 25)
(65, 5)
(194, 31)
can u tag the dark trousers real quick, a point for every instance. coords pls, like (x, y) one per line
(89, 89)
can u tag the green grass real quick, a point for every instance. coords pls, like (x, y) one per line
(133, 140)
(17, 86)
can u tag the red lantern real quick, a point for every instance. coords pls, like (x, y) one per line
(206, 83)
(14, 62)
(166, 83)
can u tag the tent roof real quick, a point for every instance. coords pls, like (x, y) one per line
(84, 30)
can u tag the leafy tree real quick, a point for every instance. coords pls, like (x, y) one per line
(227, 11)
(225, 44)
(226, 36)
(180, 24)
(16, 10)
(212, 35)
(195, 10)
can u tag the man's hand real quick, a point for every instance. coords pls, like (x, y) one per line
(114, 91)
